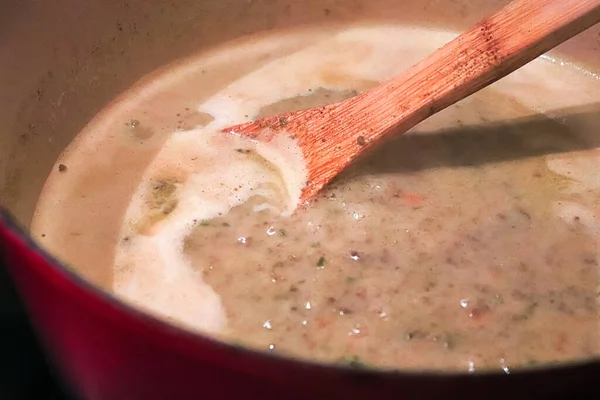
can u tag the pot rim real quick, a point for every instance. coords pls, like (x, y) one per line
(163, 333)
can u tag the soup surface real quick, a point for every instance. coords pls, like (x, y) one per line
(470, 243)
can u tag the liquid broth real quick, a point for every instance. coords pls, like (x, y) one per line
(470, 243)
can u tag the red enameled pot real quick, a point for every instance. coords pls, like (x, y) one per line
(61, 61)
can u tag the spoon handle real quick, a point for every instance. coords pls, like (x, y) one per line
(495, 47)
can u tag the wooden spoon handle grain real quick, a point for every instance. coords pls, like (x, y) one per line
(495, 47)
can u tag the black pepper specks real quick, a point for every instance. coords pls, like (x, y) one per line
(361, 141)
(62, 168)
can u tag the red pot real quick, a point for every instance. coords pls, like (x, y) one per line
(106, 350)
(52, 56)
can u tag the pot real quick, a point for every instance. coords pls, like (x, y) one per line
(61, 62)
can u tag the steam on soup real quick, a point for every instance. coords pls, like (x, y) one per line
(470, 243)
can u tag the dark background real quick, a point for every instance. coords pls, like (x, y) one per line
(24, 373)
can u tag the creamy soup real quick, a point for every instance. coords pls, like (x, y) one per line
(470, 243)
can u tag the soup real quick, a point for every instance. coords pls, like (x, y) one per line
(470, 243)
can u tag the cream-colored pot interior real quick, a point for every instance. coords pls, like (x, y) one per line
(61, 62)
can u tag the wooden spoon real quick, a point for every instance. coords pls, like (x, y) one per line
(331, 136)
